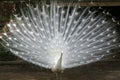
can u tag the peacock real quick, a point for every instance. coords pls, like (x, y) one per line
(58, 37)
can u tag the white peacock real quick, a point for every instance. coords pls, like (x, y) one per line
(60, 37)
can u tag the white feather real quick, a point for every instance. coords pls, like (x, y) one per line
(41, 35)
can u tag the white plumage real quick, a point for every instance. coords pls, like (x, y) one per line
(59, 37)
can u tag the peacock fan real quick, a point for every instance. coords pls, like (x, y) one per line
(61, 36)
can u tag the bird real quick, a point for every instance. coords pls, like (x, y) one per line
(58, 37)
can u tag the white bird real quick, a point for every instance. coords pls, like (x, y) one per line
(60, 37)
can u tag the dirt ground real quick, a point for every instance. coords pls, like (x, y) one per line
(21, 70)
